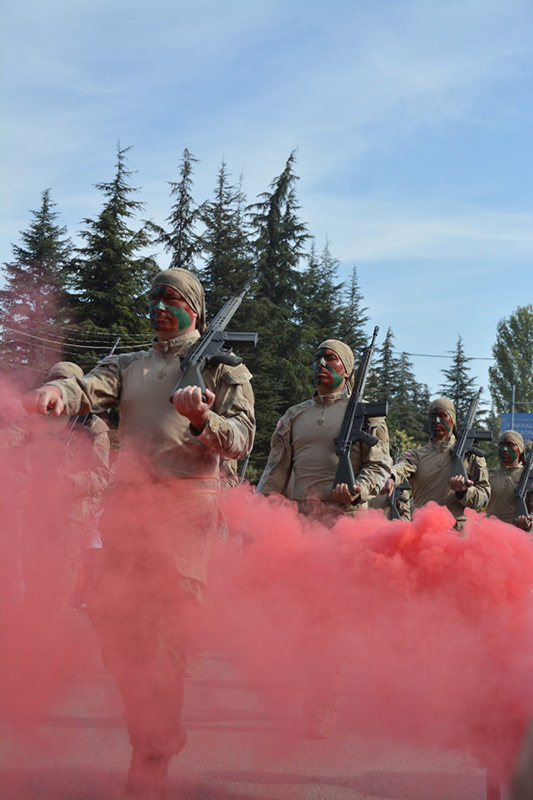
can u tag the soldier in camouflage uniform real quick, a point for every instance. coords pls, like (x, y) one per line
(429, 469)
(155, 570)
(302, 460)
(504, 480)
(301, 466)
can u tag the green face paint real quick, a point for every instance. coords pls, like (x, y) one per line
(438, 419)
(156, 303)
(319, 362)
(503, 449)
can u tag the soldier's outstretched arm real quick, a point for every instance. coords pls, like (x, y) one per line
(45, 400)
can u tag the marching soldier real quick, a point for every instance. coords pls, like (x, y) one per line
(302, 466)
(302, 461)
(504, 480)
(429, 469)
(156, 551)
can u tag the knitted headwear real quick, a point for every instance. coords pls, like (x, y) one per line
(515, 437)
(446, 405)
(190, 288)
(64, 369)
(343, 351)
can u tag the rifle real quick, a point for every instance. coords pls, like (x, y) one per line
(521, 490)
(356, 418)
(396, 497)
(81, 419)
(468, 439)
(214, 347)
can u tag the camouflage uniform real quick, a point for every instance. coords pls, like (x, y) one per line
(302, 450)
(503, 482)
(146, 601)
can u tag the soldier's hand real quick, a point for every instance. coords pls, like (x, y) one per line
(46, 400)
(523, 522)
(189, 403)
(458, 484)
(388, 487)
(343, 494)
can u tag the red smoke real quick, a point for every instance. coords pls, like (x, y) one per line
(426, 632)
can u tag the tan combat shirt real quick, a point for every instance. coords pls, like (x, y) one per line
(303, 448)
(142, 383)
(503, 482)
(429, 469)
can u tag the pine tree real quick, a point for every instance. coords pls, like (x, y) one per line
(181, 240)
(320, 298)
(383, 379)
(513, 356)
(282, 375)
(459, 386)
(35, 297)
(353, 317)
(225, 246)
(112, 274)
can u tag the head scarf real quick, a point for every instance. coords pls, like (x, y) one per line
(343, 351)
(514, 437)
(64, 369)
(190, 288)
(446, 404)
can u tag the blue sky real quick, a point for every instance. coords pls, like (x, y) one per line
(413, 123)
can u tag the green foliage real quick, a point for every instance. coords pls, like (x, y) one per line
(459, 386)
(225, 246)
(181, 240)
(513, 354)
(35, 296)
(112, 274)
(280, 363)
(320, 299)
(351, 327)
(393, 379)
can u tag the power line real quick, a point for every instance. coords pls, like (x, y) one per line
(434, 355)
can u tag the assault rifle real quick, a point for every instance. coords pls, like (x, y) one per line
(468, 439)
(521, 490)
(396, 497)
(214, 347)
(356, 419)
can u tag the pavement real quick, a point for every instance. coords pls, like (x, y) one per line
(81, 750)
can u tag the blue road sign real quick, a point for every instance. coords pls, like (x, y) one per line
(522, 423)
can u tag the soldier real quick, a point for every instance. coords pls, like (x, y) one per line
(504, 480)
(429, 469)
(301, 466)
(155, 560)
(302, 461)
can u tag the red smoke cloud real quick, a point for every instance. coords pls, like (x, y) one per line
(426, 632)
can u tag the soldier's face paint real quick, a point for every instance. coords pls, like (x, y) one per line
(508, 453)
(441, 424)
(328, 370)
(168, 310)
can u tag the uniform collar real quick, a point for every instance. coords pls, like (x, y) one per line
(442, 446)
(176, 346)
(507, 470)
(329, 399)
